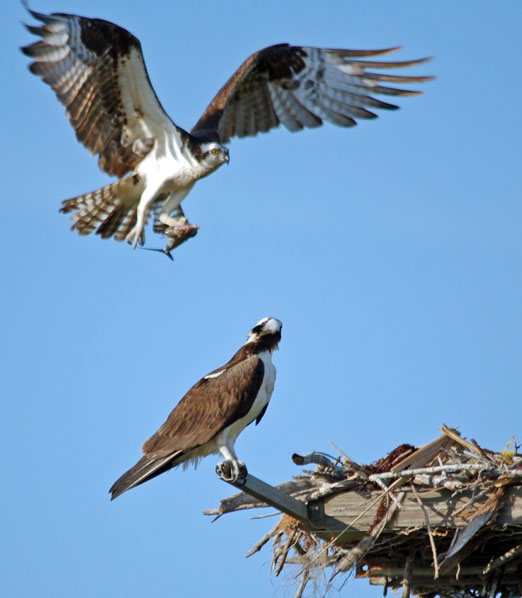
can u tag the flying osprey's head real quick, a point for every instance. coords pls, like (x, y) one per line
(266, 334)
(213, 154)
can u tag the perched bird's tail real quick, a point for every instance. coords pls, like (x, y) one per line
(110, 210)
(146, 468)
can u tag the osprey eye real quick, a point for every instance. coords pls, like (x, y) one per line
(214, 151)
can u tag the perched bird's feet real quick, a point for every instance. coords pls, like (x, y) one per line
(136, 236)
(232, 471)
(178, 231)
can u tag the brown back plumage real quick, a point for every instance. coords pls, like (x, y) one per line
(209, 406)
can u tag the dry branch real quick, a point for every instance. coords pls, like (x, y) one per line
(430, 534)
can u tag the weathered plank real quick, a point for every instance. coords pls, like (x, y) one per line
(355, 509)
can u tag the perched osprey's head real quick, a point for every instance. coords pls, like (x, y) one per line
(213, 154)
(266, 334)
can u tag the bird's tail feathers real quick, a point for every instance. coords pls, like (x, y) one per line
(146, 468)
(110, 210)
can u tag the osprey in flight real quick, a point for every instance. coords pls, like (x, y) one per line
(97, 71)
(213, 413)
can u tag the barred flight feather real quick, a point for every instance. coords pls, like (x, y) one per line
(110, 210)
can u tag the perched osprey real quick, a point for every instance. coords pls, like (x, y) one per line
(97, 71)
(213, 413)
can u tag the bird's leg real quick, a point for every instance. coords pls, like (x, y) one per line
(232, 470)
(137, 234)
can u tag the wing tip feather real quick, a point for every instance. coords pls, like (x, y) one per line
(39, 16)
(355, 53)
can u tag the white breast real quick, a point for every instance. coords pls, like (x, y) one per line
(167, 167)
(268, 383)
(229, 435)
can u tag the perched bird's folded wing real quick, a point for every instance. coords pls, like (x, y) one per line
(213, 403)
(300, 87)
(97, 71)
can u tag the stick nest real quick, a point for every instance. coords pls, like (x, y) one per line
(441, 520)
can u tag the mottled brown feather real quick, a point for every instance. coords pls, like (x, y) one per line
(81, 60)
(209, 406)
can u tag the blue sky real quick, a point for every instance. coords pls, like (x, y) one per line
(391, 252)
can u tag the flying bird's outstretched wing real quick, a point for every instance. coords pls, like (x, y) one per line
(97, 72)
(217, 400)
(300, 87)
